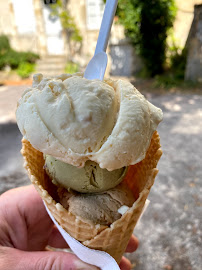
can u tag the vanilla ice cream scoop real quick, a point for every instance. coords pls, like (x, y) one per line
(89, 179)
(74, 120)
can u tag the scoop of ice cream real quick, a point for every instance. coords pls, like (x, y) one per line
(99, 208)
(75, 120)
(90, 178)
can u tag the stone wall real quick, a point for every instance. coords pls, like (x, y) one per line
(33, 41)
(25, 43)
(7, 26)
(124, 61)
(194, 46)
(184, 18)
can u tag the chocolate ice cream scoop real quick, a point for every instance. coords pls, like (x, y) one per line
(99, 208)
(90, 178)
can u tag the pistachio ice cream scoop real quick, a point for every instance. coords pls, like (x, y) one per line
(89, 179)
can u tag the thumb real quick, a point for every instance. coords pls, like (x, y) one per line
(11, 258)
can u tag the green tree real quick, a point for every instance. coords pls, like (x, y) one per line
(68, 24)
(147, 23)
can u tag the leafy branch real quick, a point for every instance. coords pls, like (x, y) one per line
(147, 24)
(74, 38)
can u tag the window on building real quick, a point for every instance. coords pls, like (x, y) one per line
(47, 2)
(94, 13)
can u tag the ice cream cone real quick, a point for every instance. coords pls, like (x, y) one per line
(113, 239)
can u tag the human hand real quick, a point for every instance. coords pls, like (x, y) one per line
(26, 230)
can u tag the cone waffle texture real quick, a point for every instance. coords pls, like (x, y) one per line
(113, 239)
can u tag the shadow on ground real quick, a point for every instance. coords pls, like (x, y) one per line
(12, 173)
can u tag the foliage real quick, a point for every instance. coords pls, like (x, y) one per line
(67, 21)
(175, 74)
(23, 62)
(176, 68)
(71, 68)
(25, 69)
(4, 44)
(147, 24)
(13, 58)
(178, 58)
(168, 81)
(68, 24)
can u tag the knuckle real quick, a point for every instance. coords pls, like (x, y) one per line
(49, 263)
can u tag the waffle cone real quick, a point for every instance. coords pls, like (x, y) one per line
(113, 239)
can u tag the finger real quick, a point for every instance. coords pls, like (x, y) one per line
(56, 240)
(132, 244)
(15, 259)
(125, 264)
(20, 194)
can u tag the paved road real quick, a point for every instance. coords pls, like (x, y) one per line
(170, 231)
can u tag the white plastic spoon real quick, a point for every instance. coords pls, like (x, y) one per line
(97, 65)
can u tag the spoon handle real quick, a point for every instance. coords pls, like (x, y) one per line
(109, 12)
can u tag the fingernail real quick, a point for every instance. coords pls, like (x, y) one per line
(84, 266)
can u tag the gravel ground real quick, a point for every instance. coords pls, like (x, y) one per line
(170, 231)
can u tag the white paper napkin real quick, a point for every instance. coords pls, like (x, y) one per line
(98, 258)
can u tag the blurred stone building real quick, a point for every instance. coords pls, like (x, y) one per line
(188, 33)
(194, 47)
(29, 26)
(185, 15)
